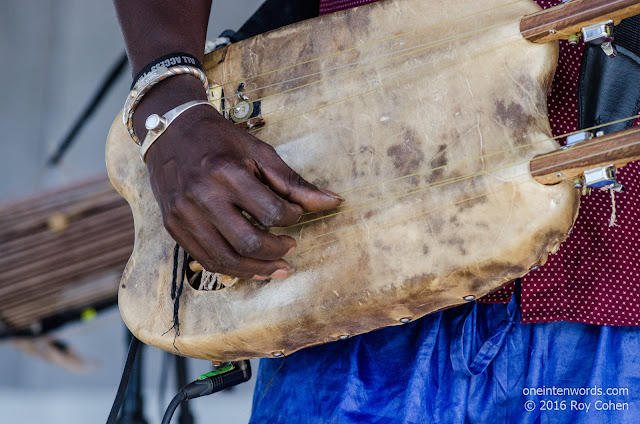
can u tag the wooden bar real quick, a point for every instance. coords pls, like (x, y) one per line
(87, 234)
(17, 212)
(46, 271)
(616, 149)
(560, 22)
(65, 273)
(41, 308)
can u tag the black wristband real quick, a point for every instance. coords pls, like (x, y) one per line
(168, 60)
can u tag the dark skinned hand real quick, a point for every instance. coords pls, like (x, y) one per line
(205, 172)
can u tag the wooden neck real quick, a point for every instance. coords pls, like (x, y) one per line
(560, 22)
(616, 149)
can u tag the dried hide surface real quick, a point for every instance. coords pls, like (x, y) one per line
(424, 115)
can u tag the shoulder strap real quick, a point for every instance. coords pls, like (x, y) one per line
(274, 14)
(608, 88)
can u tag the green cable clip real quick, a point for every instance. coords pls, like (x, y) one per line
(220, 370)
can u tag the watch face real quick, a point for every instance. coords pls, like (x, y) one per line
(241, 111)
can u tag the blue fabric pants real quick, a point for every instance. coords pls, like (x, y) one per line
(471, 364)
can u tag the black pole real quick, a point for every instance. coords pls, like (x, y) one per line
(133, 404)
(111, 78)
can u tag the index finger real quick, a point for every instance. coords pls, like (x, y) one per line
(289, 185)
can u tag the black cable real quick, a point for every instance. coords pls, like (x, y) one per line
(111, 78)
(213, 382)
(175, 402)
(124, 380)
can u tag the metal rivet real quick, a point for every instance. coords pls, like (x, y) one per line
(552, 31)
(469, 298)
(343, 337)
(559, 174)
(154, 123)
(405, 320)
(277, 354)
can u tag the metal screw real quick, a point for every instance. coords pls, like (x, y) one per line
(405, 320)
(559, 174)
(552, 31)
(469, 298)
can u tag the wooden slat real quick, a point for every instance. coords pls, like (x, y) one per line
(45, 273)
(560, 22)
(86, 233)
(17, 212)
(616, 149)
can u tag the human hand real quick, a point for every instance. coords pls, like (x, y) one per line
(205, 172)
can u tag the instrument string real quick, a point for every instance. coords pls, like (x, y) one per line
(436, 42)
(370, 227)
(380, 87)
(405, 52)
(350, 49)
(471, 176)
(473, 159)
(406, 79)
(517, 37)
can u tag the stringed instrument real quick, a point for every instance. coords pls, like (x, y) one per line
(425, 117)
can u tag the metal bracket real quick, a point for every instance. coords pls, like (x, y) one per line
(601, 34)
(603, 177)
(245, 112)
(577, 138)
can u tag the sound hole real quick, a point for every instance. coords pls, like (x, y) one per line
(201, 279)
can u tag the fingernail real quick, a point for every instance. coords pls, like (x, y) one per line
(290, 251)
(332, 194)
(195, 266)
(259, 277)
(281, 273)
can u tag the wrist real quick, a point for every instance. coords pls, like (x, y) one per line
(165, 96)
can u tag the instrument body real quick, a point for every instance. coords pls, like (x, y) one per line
(428, 133)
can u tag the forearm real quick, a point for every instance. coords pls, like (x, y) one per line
(154, 28)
